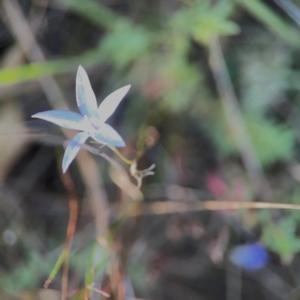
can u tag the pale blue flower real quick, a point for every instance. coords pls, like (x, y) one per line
(92, 119)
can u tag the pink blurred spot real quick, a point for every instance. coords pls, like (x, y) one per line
(216, 185)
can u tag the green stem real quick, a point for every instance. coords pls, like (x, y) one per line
(123, 158)
(56, 267)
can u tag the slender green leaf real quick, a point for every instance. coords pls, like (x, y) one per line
(36, 71)
(272, 21)
(56, 267)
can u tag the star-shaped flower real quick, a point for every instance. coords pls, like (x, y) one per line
(92, 119)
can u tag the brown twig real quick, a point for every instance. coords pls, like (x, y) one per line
(169, 207)
(73, 204)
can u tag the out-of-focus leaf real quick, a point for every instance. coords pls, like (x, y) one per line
(282, 238)
(265, 74)
(36, 71)
(19, 279)
(271, 141)
(272, 21)
(181, 83)
(203, 21)
(94, 11)
(126, 43)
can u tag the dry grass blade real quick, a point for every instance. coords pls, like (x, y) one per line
(168, 207)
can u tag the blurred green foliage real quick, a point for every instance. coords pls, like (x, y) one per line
(282, 238)
(271, 141)
(19, 279)
(202, 21)
(125, 43)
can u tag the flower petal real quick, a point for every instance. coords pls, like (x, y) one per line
(111, 102)
(63, 118)
(86, 99)
(250, 257)
(108, 136)
(72, 149)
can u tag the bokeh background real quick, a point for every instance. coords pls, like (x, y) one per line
(214, 104)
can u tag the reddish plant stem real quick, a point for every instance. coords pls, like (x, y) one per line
(73, 205)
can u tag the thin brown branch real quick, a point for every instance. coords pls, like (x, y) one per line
(169, 207)
(73, 204)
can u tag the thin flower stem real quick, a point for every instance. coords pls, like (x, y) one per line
(122, 157)
(116, 151)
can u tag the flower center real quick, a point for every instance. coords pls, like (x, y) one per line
(92, 125)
